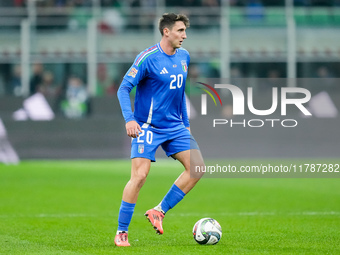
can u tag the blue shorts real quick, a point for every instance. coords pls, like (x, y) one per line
(171, 140)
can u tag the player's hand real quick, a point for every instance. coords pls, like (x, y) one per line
(188, 129)
(133, 129)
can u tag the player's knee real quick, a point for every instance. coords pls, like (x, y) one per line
(142, 176)
(139, 178)
(196, 170)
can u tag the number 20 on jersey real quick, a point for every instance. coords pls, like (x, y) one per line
(176, 79)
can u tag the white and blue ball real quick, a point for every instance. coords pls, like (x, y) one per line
(207, 231)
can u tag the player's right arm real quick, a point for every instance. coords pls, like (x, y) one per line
(136, 73)
(132, 127)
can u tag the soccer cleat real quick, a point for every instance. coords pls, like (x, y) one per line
(121, 239)
(156, 219)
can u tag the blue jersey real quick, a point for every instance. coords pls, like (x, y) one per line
(160, 81)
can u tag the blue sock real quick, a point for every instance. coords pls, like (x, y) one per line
(125, 215)
(172, 198)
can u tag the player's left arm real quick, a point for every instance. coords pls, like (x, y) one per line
(185, 117)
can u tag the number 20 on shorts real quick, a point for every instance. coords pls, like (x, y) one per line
(148, 137)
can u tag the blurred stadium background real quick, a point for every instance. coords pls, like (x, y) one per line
(75, 53)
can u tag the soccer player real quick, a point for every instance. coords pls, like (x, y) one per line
(160, 119)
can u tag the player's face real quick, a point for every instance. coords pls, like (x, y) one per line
(177, 34)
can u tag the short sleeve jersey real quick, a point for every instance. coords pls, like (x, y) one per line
(160, 81)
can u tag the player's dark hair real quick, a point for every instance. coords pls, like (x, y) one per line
(168, 20)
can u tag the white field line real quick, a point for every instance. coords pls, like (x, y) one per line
(260, 214)
(200, 214)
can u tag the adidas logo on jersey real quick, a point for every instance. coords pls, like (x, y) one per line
(164, 71)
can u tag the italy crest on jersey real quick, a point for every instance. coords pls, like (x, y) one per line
(184, 65)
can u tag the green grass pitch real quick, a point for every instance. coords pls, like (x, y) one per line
(71, 207)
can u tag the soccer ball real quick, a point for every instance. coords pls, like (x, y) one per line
(207, 231)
